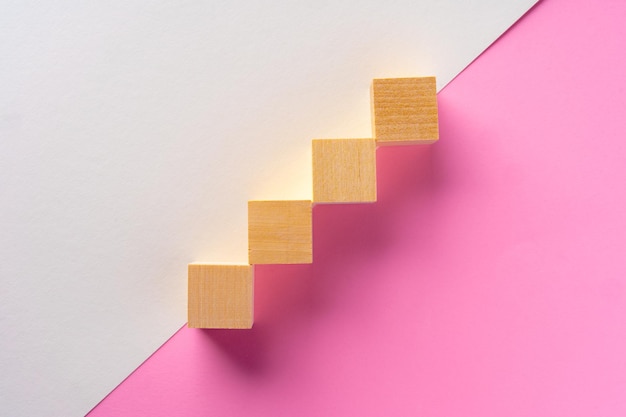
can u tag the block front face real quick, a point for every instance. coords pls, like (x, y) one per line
(404, 111)
(344, 170)
(220, 296)
(280, 232)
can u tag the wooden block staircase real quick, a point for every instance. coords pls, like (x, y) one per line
(404, 112)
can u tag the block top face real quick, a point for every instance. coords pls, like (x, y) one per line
(280, 232)
(220, 296)
(404, 110)
(344, 170)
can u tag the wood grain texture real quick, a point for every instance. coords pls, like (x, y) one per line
(280, 232)
(344, 170)
(404, 111)
(220, 296)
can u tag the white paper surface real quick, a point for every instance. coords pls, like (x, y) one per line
(132, 135)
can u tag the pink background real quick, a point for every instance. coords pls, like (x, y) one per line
(488, 280)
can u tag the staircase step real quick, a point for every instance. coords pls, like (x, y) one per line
(220, 296)
(404, 111)
(280, 232)
(344, 170)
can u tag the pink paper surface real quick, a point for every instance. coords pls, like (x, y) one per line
(488, 280)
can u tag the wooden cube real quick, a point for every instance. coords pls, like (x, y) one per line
(404, 111)
(280, 232)
(220, 296)
(344, 170)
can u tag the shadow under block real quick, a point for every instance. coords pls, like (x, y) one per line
(280, 232)
(220, 296)
(404, 111)
(344, 170)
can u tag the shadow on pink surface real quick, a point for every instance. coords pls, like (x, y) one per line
(288, 296)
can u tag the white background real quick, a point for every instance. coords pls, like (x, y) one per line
(132, 135)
